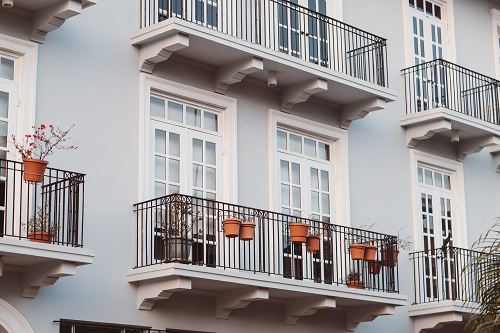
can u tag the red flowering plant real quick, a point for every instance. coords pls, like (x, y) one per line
(41, 143)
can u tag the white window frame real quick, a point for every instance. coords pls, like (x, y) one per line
(335, 137)
(228, 130)
(457, 186)
(495, 27)
(447, 16)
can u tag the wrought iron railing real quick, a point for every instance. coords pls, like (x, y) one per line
(50, 210)
(286, 27)
(439, 83)
(185, 229)
(448, 273)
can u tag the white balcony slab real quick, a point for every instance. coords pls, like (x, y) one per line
(234, 289)
(41, 264)
(429, 317)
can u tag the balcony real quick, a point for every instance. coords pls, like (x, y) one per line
(41, 226)
(182, 247)
(311, 53)
(45, 16)
(443, 287)
(450, 103)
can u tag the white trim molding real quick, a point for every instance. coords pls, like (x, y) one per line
(11, 320)
(458, 187)
(228, 110)
(339, 153)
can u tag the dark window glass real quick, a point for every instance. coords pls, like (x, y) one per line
(437, 11)
(428, 8)
(412, 3)
(420, 5)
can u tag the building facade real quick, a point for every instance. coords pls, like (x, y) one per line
(371, 122)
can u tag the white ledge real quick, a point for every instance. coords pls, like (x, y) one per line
(429, 317)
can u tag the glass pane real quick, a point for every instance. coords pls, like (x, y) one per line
(325, 203)
(325, 184)
(421, 26)
(210, 180)
(323, 151)
(433, 33)
(314, 179)
(285, 195)
(447, 184)
(295, 173)
(160, 139)
(296, 197)
(197, 150)
(157, 107)
(437, 11)
(415, 31)
(310, 147)
(175, 112)
(173, 170)
(197, 175)
(415, 45)
(424, 222)
(4, 105)
(428, 177)
(429, 200)
(210, 153)
(172, 189)
(314, 201)
(281, 140)
(422, 49)
(448, 208)
(443, 208)
(159, 190)
(193, 116)
(424, 205)
(285, 176)
(160, 167)
(295, 143)
(439, 35)
(210, 121)
(438, 179)
(428, 8)
(197, 194)
(174, 145)
(210, 196)
(420, 175)
(7, 69)
(431, 225)
(285, 211)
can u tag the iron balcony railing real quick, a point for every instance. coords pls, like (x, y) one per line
(51, 210)
(439, 83)
(285, 27)
(448, 273)
(189, 230)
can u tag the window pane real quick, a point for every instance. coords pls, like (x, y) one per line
(160, 166)
(172, 189)
(157, 107)
(296, 196)
(310, 147)
(295, 143)
(210, 153)
(285, 195)
(174, 145)
(422, 48)
(314, 179)
(295, 173)
(412, 3)
(285, 176)
(428, 177)
(197, 194)
(428, 8)
(160, 141)
(4, 105)
(173, 170)
(439, 35)
(415, 45)
(448, 208)
(281, 140)
(442, 207)
(175, 112)
(159, 190)
(431, 226)
(421, 27)
(197, 150)
(7, 69)
(433, 33)
(437, 11)
(447, 184)
(197, 175)
(438, 179)
(420, 175)
(424, 204)
(314, 201)
(420, 5)
(325, 203)
(323, 151)
(210, 121)
(193, 116)
(325, 184)
(211, 196)
(210, 180)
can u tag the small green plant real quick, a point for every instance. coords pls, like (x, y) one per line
(353, 276)
(178, 219)
(41, 221)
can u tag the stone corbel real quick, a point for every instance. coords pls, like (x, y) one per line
(234, 73)
(433, 323)
(40, 275)
(472, 146)
(299, 307)
(158, 51)
(495, 151)
(227, 301)
(425, 131)
(359, 110)
(51, 18)
(362, 314)
(300, 92)
(150, 292)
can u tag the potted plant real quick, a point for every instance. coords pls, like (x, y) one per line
(34, 148)
(176, 222)
(231, 226)
(312, 241)
(298, 230)
(40, 228)
(374, 266)
(370, 250)
(390, 246)
(353, 280)
(247, 229)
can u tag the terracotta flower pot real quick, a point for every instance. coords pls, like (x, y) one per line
(298, 232)
(356, 284)
(374, 267)
(370, 253)
(312, 243)
(34, 169)
(40, 237)
(231, 227)
(247, 230)
(357, 251)
(389, 257)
